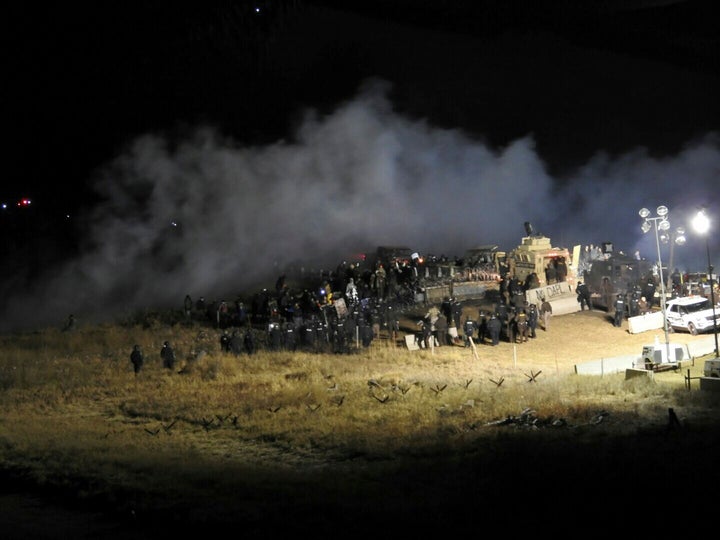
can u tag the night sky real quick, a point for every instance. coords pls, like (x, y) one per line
(172, 150)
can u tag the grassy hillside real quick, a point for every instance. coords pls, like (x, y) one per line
(377, 440)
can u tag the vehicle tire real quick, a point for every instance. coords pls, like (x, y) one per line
(692, 329)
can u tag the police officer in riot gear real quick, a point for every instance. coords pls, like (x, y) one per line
(494, 325)
(619, 311)
(469, 329)
(583, 296)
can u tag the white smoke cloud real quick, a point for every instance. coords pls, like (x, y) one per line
(207, 217)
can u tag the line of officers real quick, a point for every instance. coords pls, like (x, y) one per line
(514, 323)
(330, 330)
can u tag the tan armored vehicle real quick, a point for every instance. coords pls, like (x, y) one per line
(555, 268)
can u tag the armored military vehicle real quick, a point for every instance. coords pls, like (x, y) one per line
(616, 273)
(554, 267)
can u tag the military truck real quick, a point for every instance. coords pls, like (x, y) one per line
(537, 255)
(481, 268)
(616, 273)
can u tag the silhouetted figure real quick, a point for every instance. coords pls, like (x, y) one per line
(137, 359)
(469, 329)
(168, 356)
(584, 297)
(521, 326)
(494, 327)
(225, 341)
(441, 330)
(70, 325)
(561, 270)
(249, 341)
(532, 319)
(425, 333)
(235, 343)
(619, 311)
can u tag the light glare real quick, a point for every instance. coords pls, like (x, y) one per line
(701, 223)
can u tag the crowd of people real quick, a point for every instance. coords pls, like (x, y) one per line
(346, 309)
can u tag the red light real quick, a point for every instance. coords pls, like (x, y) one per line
(24, 202)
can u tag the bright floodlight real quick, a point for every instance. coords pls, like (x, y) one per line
(644, 212)
(664, 225)
(662, 211)
(701, 223)
(680, 236)
(645, 226)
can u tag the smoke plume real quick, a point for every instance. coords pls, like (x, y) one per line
(207, 217)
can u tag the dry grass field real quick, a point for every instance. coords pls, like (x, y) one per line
(381, 441)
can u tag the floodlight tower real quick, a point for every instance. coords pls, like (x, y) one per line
(661, 223)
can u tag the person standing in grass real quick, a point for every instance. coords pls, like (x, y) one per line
(425, 333)
(136, 357)
(235, 343)
(168, 355)
(249, 342)
(392, 322)
(441, 330)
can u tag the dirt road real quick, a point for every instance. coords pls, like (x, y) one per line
(569, 340)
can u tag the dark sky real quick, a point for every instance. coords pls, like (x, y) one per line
(195, 148)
